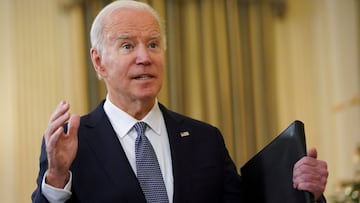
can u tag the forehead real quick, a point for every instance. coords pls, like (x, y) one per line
(135, 22)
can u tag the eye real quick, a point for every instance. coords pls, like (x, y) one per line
(153, 45)
(127, 46)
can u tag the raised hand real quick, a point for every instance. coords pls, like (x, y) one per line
(310, 174)
(61, 146)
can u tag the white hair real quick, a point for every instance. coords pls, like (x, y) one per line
(96, 32)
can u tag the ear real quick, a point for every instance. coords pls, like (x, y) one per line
(97, 63)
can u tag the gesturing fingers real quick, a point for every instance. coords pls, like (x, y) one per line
(57, 120)
(73, 125)
(60, 110)
(52, 139)
(61, 146)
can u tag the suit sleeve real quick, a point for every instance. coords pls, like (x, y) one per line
(232, 183)
(321, 200)
(232, 179)
(37, 196)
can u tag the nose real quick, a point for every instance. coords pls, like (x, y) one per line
(142, 56)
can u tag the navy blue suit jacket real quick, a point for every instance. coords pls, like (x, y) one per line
(202, 168)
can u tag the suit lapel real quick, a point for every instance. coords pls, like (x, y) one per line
(179, 155)
(108, 151)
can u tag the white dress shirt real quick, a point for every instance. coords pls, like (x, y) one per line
(123, 126)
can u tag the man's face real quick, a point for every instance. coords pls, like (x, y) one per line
(132, 59)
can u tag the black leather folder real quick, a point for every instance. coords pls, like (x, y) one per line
(267, 176)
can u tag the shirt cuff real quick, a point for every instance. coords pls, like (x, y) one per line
(56, 195)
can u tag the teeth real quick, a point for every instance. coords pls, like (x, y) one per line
(143, 77)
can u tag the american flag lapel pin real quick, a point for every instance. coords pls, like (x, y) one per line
(184, 134)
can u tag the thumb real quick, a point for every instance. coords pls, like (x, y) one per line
(312, 153)
(73, 125)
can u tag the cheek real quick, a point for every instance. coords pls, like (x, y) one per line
(115, 67)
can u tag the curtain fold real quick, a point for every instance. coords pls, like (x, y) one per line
(220, 70)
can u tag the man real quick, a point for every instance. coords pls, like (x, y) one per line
(96, 158)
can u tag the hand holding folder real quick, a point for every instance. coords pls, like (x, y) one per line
(267, 177)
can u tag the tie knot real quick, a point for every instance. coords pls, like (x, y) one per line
(140, 127)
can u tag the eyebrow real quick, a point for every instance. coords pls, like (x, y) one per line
(156, 36)
(128, 36)
(125, 36)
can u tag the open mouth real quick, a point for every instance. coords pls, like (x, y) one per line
(143, 77)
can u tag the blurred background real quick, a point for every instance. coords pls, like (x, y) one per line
(249, 67)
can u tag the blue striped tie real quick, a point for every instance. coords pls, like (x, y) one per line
(148, 169)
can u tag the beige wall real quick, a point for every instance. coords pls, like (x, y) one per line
(6, 107)
(317, 51)
(319, 79)
(41, 65)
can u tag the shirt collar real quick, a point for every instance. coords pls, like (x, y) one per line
(122, 122)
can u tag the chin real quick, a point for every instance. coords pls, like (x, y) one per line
(147, 96)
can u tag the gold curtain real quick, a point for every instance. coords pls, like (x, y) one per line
(219, 68)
